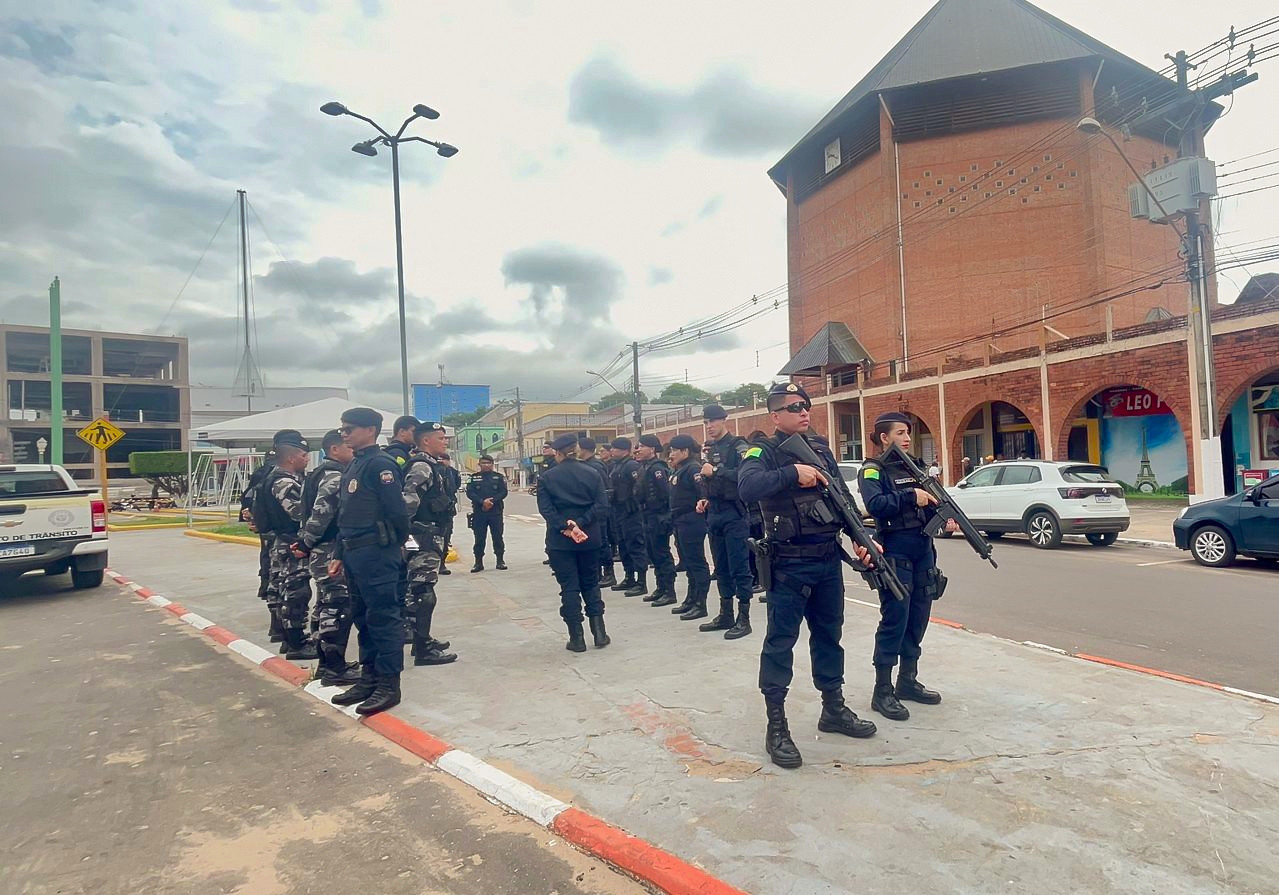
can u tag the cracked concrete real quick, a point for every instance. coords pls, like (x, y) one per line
(1038, 773)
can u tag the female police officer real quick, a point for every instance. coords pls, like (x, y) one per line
(570, 496)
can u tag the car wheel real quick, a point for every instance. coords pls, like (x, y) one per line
(1043, 530)
(1212, 546)
(85, 580)
(1103, 539)
(993, 535)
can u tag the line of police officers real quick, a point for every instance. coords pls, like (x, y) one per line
(355, 521)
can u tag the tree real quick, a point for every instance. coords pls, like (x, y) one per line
(166, 470)
(683, 393)
(464, 418)
(742, 395)
(616, 398)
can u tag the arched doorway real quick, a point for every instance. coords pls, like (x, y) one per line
(1134, 434)
(1250, 434)
(922, 442)
(997, 430)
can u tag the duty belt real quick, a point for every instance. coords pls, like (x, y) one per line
(823, 550)
(365, 540)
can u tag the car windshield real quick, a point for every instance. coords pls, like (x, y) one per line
(1085, 474)
(20, 482)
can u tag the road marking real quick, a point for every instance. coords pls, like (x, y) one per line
(1162, 562)
(1051, 649)
(514, 794)
(862, 603)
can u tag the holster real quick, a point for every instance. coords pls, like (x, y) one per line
(423, 530)
(470, 521)
(385, 536)
(763, 550)
(936, 585)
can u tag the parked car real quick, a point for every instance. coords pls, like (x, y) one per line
(1216, 531)
(849, 470)
(1045, 501)
(48, 522)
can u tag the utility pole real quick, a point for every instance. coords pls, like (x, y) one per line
(639, 418)
(519, 429)
(55, 372)
(244, 271)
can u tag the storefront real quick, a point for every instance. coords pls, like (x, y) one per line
(1141, 442)
(1250, 438)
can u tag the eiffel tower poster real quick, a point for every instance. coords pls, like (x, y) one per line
(1146, 481)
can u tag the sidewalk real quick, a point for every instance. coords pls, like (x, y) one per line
(1151, 522)
(1038, 773)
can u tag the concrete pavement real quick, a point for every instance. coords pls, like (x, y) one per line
(1038, 772)
(135, 758)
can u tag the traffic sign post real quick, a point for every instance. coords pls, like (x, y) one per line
(100, 435)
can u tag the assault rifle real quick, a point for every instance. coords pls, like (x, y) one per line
(946, 508)
(881, 575)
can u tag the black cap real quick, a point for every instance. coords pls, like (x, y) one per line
(893, 416)
(332, 439)
(485, 458)
(404, 422)
(714, 412)
(363, 418)
(426, 429)
(586, 444)
(783, 393)
(290, 437)
(564, 442)
(684, 443)
(621, 443)
(651, 441)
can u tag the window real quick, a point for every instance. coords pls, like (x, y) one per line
(963, 178)
(984, 477)
(1048, 158)
(939, 181)
(17, 482)
(1020, 475)
(972, 168)
(999, 183)
(917, 204)
(1268, 434)
(928, 173)
(1085, 474)
(1270, 491)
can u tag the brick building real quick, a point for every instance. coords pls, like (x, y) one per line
(959, 250)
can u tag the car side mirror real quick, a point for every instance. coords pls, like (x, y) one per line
(1255, 496)
(963, 485)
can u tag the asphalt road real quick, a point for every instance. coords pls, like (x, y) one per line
(134, 758)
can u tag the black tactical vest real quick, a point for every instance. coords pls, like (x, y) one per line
(797, 514)
(435, 502)
(267, 512)
(311, 489)
(896, 479)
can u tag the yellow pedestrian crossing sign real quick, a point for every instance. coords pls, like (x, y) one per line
(101, 434)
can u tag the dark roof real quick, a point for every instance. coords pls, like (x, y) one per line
(965, 38)
(1259, 288)
(834, 345)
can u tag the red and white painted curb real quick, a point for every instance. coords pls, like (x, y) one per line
(605, 841)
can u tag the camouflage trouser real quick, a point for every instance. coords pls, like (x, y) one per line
(423, 573)
(332, 612)
(291, 581)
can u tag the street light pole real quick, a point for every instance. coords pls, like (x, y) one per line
(369, 148)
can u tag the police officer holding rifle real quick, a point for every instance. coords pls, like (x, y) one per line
(910, 508)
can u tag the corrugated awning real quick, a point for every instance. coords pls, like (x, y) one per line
(834, 345)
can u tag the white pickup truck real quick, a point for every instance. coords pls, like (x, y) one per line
(48, 522)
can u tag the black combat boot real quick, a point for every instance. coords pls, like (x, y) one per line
(428, 651)
(722, 622)
(501, 563)
(275, 631)
(626, 583)
(608, 576)
(884, 700)
(479, 564)
(301, 649)
(640, 587)
(743, 626)
(668, 596)
(445, 570)
(689, 600)
(909, 688)
(656, 595)
(333, 670)
(384, 696)
(777, 742)
(597, 631)
(697, 609)
(576, 638)
(837, 717)
(361, 691)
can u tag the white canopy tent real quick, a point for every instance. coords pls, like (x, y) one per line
(312, 420)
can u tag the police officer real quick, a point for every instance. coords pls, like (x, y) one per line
(756, 529)
(688, 516)
(265, 591)
(401, 446)
(373, 525)
(454, 484)
(586, 454)
(427, 500)
(571, 500)
(901, 511)
(630, 520)
(806, 577)
(487, 493)
(279, 501)
(654, 494)
(317, 542)
(728, 525)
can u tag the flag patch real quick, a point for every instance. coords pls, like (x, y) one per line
(871, 473)
(755, 452)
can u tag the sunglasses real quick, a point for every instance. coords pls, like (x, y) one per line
(347, 430)
(797, 407)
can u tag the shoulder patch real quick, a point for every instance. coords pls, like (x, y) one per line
(400, 459)
(755, 452)
(387, 477)
(353, 486)
(870, 472)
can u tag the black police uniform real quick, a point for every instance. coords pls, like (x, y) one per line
(400, 453)
(572, 490)
(373, 524)
(481, 487)
(687, 489)
(654, 495)
(889, 495)
(729, 527)
(453, 485)
(256, 479)
(630, 523)
(608, 575)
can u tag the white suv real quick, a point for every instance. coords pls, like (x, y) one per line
(1044, 500)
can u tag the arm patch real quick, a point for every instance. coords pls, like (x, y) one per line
(755, 452)
(871, 473)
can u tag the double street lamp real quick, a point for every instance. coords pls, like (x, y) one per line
(369, 148)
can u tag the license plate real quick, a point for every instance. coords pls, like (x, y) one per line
(1103, 498)
(17, 550)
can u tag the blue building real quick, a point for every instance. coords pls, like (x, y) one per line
(435, 401)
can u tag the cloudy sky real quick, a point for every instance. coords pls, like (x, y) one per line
(610, 186)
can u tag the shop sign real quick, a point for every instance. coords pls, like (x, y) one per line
(1133, 402)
